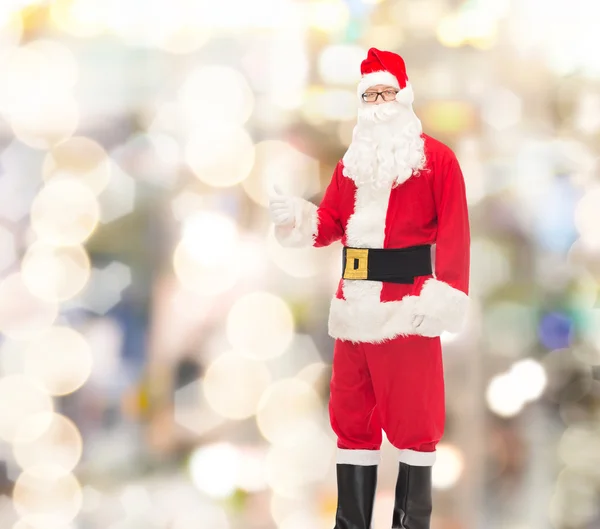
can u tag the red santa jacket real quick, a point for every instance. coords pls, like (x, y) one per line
(428, 208)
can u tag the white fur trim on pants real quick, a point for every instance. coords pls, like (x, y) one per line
(417, 459)
(365, 458)
(305, 228)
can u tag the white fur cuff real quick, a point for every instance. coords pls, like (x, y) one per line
(365, 458)
(448, 304)
(304, 230)
(417, 459)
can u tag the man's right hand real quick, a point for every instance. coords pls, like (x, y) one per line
(281, 208)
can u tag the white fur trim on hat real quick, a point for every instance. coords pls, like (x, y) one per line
(406, 96)
(375, 78)
(365, 458)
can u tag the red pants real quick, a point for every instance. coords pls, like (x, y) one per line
(397, 386)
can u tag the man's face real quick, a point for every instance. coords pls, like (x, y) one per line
(380, 93)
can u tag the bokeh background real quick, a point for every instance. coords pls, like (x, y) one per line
(164, 363)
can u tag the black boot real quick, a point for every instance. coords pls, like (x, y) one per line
(356, 495)
(412, 508)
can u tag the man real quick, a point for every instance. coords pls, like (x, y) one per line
(397, 202)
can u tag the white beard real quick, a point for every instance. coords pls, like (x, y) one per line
(387, 146)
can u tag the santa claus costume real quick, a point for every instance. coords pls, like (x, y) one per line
(397, 203)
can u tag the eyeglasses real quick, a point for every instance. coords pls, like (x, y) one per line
(387, 95)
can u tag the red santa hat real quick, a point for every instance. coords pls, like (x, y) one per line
(388, 68)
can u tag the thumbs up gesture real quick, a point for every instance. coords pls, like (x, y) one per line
(281, 208)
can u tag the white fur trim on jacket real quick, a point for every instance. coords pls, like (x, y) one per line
(304, 230)
(365, 458)
(448, 304)
(417, 459)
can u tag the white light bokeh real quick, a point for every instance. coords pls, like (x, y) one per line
(260, 325)
(502, 396)
(23, 399)
(59, 360)
(81, 18)
(587, 218)
(215, 468)
(215, 93)
(338, 64)
(529, 376)
(296, 262)
(220, 153)
(55, 273)
(288, 411)
(22, 314)
(80, 158)
(205, 259)
(65, 212)
(448, 467)
(333, 104)
(47, 497)
(290, 468)
(47, 437)
(279, 163)
(327, 15)
(249, 378)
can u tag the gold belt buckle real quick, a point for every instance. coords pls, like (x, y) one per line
(361, 271)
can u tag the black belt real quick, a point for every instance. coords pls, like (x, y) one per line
(392, 265)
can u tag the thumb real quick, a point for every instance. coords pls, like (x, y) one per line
(277, 189)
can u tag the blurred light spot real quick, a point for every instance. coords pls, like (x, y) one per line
(118, 199)
(574, 502)
(192, 411)
(215, 93)
(55, 273)
(384, 35)
(448, 467)
(214, 469)
(288, 411)
(212, 515)
(289, 66)
(59, 360)
(312, 373)
(8, 254)
(470, 26)
(503, 397)
(205, 259)
(210, 237)
(221, 154)
(555, 330)
(105, 288)
(81, 18)
(11, 29)
(278, 163)
(251, 476)
(21, 313)
(52, 499)
(22, 399)
(249, 378)
(327, 15)
(587, 113)
(578, 448)
(491, 265)
(448, 117)
(509, 328)
(530, 377)
(330, 104)
(61, 67)
(65, 212)
(300, 520)
(260, 325)
(136, 500)
(340, 64)
(41, 439)
(80, 158)
(291, 468)
(587, 218)
(501, 109)
(345, 131)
